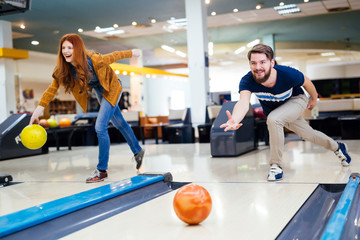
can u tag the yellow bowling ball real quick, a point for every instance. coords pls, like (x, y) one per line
(52, 123)
(33, 136)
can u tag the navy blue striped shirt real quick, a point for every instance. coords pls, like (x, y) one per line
(288, 84)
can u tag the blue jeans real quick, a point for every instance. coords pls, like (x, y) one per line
(106, 113)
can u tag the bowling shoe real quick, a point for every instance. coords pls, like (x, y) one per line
(276, 173)
(342, 154)
(139, 158)
(97, 176)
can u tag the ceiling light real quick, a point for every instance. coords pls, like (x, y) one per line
(124, 73)
(102, 30)
(235, 10)
(116, 32)
(108, 30)
(305, 1)
(152, 20)
(213, 13)
(253, 43)
(240, 50)
(80, 30)
(281, 4)
(207, 2)
(334, 59)
(181, 22)
(181, 54)
(287, 9)
(35, 42)
(22, 26)
(167, 48)
(175, 24)
(327, 54)
(134, 23)
(117, 72)
(259, 6)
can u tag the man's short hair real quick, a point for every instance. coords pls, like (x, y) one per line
(262, 48)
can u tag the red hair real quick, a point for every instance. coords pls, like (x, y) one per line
(62, 71)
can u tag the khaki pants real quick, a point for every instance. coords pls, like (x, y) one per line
(289, 115)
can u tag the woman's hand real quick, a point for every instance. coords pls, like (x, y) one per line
(39, 111)
(230, 124)
(136, 52)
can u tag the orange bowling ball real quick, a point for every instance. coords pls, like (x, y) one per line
(192, 204)
(33, 136)
(64, 122)
(44, 123)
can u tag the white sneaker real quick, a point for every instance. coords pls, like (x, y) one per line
(275, 174)
(343, 155)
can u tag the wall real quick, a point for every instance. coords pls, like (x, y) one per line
(163, 93)
(318, 71)
(35, 74)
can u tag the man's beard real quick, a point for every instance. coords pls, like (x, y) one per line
(263, 79)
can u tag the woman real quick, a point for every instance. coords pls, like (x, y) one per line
(80, 71)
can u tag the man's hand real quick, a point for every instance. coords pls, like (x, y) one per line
(230, 124)
(311, 104)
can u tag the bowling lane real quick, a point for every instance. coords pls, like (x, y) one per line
(240, 211)
(47, 177)
(62, 173)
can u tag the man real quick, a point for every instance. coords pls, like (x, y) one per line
(279, 91)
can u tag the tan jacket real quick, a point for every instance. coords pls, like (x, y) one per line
(107, 78)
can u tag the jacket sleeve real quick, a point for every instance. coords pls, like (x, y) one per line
(49, 93)
(116, 56)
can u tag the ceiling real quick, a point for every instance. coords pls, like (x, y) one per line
(321, 25)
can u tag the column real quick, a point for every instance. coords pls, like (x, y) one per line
(270, 41)
(136, 86)
(198, 62)
(7, 74)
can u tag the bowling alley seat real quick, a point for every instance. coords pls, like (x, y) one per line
(333, 113)
(211, 113)
(232, 143)
(180, 129)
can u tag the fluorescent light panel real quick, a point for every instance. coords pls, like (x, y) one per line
(116, 32)
(181, 22)
(253, 43)
(167, 48)
(240, 50)
(287, 9)
(181, 54)
(328, 54)
(102, 30)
